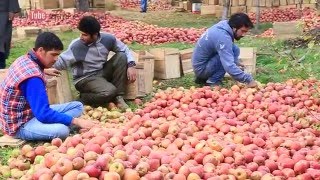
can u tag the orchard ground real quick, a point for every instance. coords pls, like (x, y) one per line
(276, 62)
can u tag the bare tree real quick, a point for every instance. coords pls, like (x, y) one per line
(82, 5)
(226, 7)
(257, 15)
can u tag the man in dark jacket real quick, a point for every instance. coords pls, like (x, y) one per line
(215, 52)
(98, 80)
(8, 10)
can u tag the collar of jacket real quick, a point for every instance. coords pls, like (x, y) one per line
(34, 57)
(95, 42)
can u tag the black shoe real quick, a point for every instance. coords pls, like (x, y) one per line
(199, 81)
(143, 11)
(218, 83)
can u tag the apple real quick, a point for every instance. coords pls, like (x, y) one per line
(112, 176)
(117, 167)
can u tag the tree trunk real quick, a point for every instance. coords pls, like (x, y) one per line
(82, 5)
(225, 12)
(300, 8)
(257, 15)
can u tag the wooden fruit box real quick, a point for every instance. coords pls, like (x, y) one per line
(145, 73)
(285, 30)
(185, 58)
(167, 63)
(247, 57)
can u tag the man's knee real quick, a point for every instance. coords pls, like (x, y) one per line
(110, 93)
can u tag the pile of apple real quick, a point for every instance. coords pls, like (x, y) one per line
(127, 31)
(197, 133)
(267, 33)
(157, 5)
(281, 15)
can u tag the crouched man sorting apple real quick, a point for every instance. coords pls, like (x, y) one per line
(25, 112)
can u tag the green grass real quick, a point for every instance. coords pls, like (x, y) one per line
(169, 18)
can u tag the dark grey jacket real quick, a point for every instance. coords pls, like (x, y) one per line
(6, 6)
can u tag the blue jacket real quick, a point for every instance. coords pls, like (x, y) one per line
(218, 40)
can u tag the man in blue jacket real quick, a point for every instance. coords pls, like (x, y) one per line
(215, 52)
(25, 112)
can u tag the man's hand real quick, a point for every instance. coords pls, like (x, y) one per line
(83, 124)
(252, 84)
(241, 66)
(132, 74)
(52, 72)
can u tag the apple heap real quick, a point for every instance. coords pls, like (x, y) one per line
(111, 114)
(282, 15)
(126, 31)
(271, 132)
(267, 33)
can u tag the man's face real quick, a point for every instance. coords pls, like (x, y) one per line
(87, 38)
(239, 33)
(48, 58)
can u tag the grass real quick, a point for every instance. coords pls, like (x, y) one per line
(169, 18)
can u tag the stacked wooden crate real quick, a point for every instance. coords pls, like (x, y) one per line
(167, 63)
(46, 4)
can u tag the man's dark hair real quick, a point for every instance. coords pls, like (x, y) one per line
(239, 20)
(48, 41)
(89, 25)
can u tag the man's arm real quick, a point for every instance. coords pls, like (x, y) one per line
(121, 47)
(226, 55)
(65, 59)
(35, 92)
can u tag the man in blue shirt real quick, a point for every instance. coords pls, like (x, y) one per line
(25, 112)
(215, 52)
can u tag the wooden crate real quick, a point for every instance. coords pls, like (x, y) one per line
(247, 57)
(66, 3)
(167, 63)
(187, 5)
(312, 6)
(235, 3)
(213, 2)
(238, 9)
(283, 2)
(137, 88)
(208, 10)
(285, 30)
(185, 58)
(146, 59)
(44, 4)
(242, 2)
(28, 31)
(275, 2)
(59, 88)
